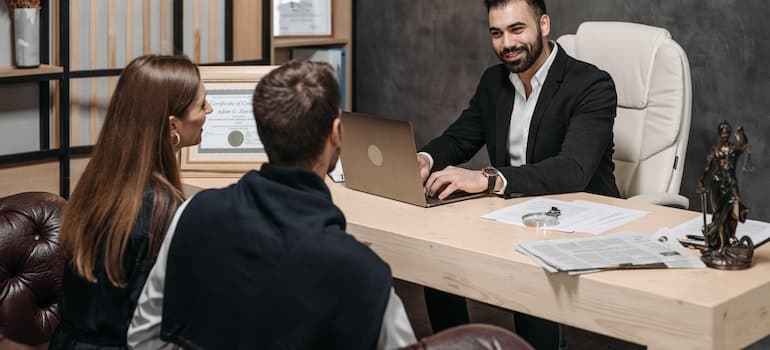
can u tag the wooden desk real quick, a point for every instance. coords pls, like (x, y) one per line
(451, 248)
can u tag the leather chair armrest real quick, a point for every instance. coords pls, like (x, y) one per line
(472, 337)
(664, 198)
(7, 344)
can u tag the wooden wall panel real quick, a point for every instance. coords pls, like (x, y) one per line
(204, 30)
(38, 176)
(165, 27)
(41, 176)
(247, 30)
(77, 167)
(196, 26)
(146, 32)
(89, 98)
(97, 21)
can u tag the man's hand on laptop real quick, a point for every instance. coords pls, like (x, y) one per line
(443, 183)
(424, 164)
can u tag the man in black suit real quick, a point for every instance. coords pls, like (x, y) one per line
(546, 119)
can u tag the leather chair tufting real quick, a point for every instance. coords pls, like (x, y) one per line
(31, 265)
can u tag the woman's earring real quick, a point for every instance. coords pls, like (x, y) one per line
(178, 139)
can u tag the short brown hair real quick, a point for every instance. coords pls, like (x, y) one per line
(295, 106)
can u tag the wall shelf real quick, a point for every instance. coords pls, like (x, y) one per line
(6, 72)
(297, 42)
(43, 72)
(59, 163)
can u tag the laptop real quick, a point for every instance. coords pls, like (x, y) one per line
(379, 157)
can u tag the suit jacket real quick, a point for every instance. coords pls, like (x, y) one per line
(570, 145)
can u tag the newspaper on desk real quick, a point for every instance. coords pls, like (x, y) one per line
(615, 251)
(576, 216)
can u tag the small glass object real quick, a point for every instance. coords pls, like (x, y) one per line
(542, 219)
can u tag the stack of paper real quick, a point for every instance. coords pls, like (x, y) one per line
(758, 231)
(576, 216)
(615, 251)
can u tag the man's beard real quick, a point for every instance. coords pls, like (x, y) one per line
(530, 56)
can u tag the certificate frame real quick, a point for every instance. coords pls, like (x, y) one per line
(237, 81)
(317, 19)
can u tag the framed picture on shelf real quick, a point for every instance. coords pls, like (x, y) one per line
(302, 18)
(229, 142)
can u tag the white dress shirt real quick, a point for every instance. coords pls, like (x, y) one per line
(144, 332)
(523, 108)
(521, 116)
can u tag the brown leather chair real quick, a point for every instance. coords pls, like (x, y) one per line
(472, 337)
(31, 265)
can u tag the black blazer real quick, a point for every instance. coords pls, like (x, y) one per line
(570, 145)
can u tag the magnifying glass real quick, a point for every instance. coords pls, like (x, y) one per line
(542, 219)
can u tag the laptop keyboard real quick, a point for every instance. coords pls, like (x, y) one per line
(455, 194)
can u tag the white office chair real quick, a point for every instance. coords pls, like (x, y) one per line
(652, 79)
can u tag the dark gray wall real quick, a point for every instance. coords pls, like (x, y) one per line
(421, 60)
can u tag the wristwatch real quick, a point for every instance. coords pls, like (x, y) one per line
(491, 175)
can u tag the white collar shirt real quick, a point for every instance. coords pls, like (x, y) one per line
(523, 108)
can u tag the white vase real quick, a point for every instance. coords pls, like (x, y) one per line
(26, 27)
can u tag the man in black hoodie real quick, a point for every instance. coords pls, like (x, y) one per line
(266, 263)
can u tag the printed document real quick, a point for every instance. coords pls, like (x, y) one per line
(614, 251)
(758, 231)
(576, 216)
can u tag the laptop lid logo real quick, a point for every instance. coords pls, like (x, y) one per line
(375, 155)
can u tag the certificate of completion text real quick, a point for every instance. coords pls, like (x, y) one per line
(230, 128)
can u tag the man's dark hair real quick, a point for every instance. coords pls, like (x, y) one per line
(537, 5)
(295, 106)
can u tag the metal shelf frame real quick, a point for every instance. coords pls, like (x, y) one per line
(66, 151)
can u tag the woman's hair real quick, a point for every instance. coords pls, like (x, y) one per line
(133, 154)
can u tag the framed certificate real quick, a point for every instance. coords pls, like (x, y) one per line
(299, 18)
(230, 142)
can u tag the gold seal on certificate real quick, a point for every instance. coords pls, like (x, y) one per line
(235, 138)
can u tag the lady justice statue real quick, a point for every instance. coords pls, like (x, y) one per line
(723, 249)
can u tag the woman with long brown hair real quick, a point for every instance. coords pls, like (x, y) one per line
(118, 214)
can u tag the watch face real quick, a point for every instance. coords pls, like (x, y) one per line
(490, 171)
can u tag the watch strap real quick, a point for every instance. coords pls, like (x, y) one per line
(491, 174)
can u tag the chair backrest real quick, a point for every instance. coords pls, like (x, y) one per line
(473, 336)
(652, 79)
(31, 266)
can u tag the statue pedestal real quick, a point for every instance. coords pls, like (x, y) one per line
(733, 257)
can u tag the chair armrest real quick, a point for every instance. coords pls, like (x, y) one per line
(7, 344)
(664, 198)
(472, 337)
